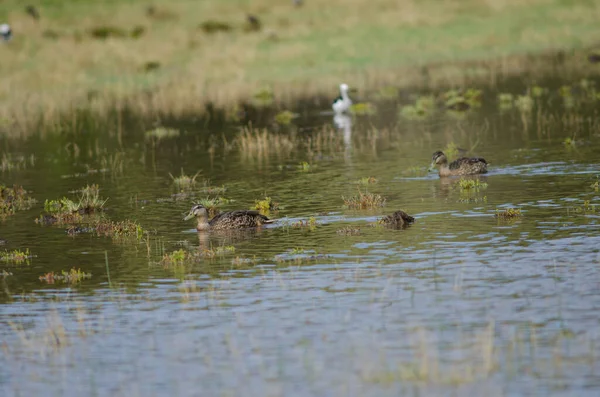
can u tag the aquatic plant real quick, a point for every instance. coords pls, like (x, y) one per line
(259, 145)
(213, 204)
(508, 213)
(423, 108)
(263, 97)
(159, 133)
(363, 109)
(368, 180)
(16, 256)
(265, 205)
(304, 166)
(473, 185)
(176, 258)
(65, 210)
(349, 231)
(183, 181)
(596, 185)
(13, 199)
(241, 261)
(310, 223)
(364, 200)
(10, 161)
(505, 101)
(119, 229)
(72, 276)
(285, 117)
(524, 103)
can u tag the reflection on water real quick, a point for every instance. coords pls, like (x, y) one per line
(460, 302)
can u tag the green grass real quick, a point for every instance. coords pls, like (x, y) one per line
(310, 49)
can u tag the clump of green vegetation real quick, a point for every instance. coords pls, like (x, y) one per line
(285, 117)
(423, 108)
(587, 207)
(263, 97)
(176, 258)
(451, 150)
(71, 277)
(13, 199)
(105, 32)
(16, 256)
(364, 200)
(524, 103)
(363, 109)
(159, 133)
(212, 26)
(64, 210)
(304, 166)
(183, 181)
(472, 185)
(265, 205)
(537, 92)
(310, 224)
(596, 185)
(120, 229)
(368, 180)
(213, 204)
(508, 213)
(505, 101)
(349, 231)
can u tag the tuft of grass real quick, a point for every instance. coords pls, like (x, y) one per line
(213, 204)
(349, 231)
(13, 199)
(73, 276)
(119, 229)
(364, 200)
(285, 117)
(16, 256)
(66, 211)
(473, 185)
(265, 205)
(508, 213)
(367, 180)
(310, 223)
(176, 258)
(183, 181)
(304, 166)
(451, 150)
(160, 133)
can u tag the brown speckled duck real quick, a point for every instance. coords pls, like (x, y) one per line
(398, 219)
(462, 166)
(226, 220)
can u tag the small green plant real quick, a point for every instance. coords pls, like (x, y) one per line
(119, 230)
(176, 258)
(16, 256)
(505, 101)
(159, 133)
(13, 199)
(508, 213)
(596, 185)
(285, 117)
(67, 211)
(364, 200)
(363, 109)
(368, 180)
(349, 231)
(304, 166)
(265, 205)
(72, 276)
(263, 97)
(297, 251)
(213, 204)
(310, 224)
(473, 185)
(183, 181)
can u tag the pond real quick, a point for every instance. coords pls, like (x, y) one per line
(325, 301)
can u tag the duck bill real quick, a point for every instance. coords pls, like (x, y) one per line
(188, 216)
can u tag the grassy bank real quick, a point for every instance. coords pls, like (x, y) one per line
(174, 56)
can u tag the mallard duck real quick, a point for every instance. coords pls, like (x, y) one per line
(342, 103)
(226, 220)
(462, 166)
(398, 219)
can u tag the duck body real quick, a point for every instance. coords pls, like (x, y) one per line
(342, 103)
(398, 220)
(238, 219)
(462, 166)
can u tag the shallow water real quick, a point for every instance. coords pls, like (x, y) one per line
(459, 303)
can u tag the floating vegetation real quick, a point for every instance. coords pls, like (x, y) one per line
(572, 142)
(285, 117)
(505, 101)
(176, 258)
(119, 229)
(71, 277)
(349, 231)
(299, 259)
(13, 199)
(257, 144)
(423, 108)
(183, 257)
(65, 210)
(159, 133)
(537, 92)
(16, 256)
(304, 166)
(263, 97)
(265, 205)
(587, 207)
(508, 213)
(524, 103)
(368, 180)
(213, 204)
(212, 26)
(363, 109)
(183, 181)
(241, 261)
(596, 185)
(364, 200)
(472, 185)
(310, 224)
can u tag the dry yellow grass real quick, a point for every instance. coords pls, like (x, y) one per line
(54, 66)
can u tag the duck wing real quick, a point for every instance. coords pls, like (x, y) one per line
(466, 161)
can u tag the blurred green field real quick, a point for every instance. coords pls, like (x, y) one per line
(161, 47)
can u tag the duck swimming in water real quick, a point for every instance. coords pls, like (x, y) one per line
(462, 166)
(227, 220)
(398, 219)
